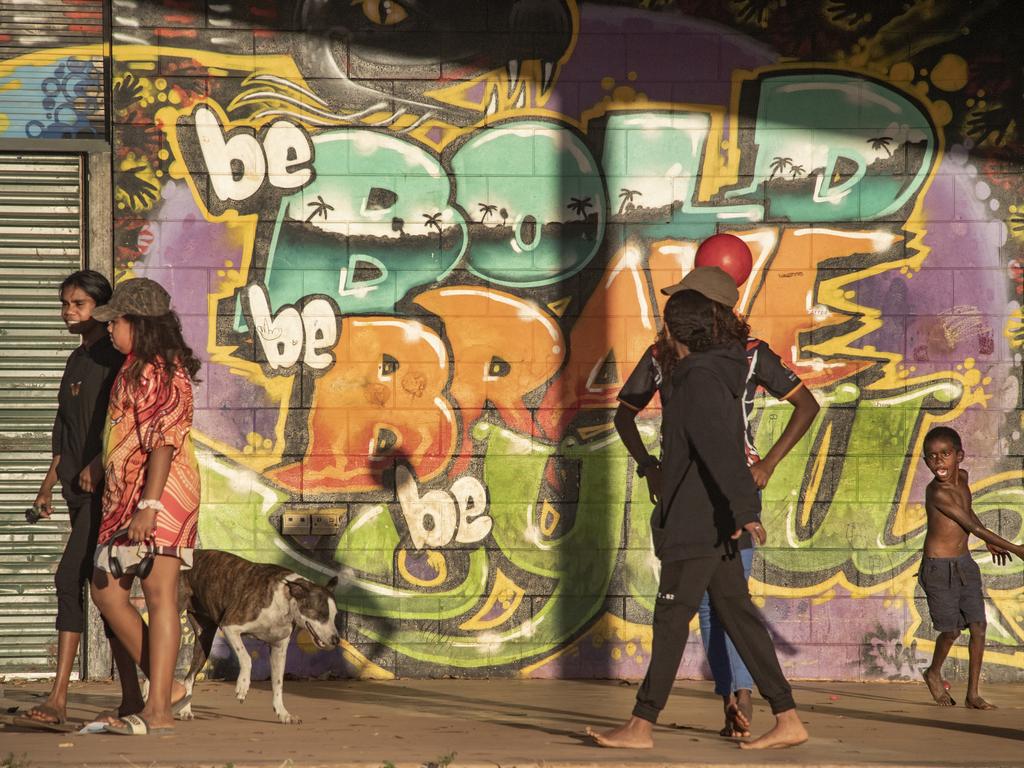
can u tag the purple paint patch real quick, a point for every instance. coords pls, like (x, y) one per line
(185, 257)
(668, 58)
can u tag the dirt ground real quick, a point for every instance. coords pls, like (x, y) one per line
(436, 723)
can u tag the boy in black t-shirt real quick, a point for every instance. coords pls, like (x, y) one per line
(77, 466)
(765, 370)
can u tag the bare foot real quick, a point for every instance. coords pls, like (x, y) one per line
(788, 732)
(729, 705)
(738, 714)
(934, 682)
(976, 702)
(635, 734)
(113, 716)
(49, 713)
(744, 712)
(158, 714)
(178, 691)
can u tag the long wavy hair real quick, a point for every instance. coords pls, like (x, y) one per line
(158, 340)
(701, 324)
(665, 351)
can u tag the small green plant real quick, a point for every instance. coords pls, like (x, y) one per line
(11, 761)
(387, 764)
(442, 762)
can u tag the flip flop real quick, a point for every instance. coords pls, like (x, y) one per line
(136, 725)
(41, 725)
(59, 723)
(104, 718)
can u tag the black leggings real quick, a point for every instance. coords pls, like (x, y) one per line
(682, 584)
(75, 567)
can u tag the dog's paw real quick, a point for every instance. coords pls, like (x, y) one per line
(288, 719)
(185, 713)
(241, 690)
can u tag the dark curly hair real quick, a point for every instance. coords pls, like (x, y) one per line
(665, 352)
(701, 324)
(944, 433)
(159, 340)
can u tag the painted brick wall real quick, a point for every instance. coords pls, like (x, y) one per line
(421, 250)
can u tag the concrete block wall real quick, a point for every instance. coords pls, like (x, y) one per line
(421, 250)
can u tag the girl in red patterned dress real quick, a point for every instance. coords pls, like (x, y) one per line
(151, 498)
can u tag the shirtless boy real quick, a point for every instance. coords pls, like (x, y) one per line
(950, 577)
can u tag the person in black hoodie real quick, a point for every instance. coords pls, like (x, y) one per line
(708, 501)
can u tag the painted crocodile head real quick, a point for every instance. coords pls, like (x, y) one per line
(364, 51)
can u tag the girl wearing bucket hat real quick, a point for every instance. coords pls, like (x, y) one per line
(151, 500)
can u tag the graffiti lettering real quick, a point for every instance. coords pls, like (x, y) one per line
(424, 284)
(383, 398)
(438, 517)
(547, 232)
(291, 335)
(852, 122)
(239, 163)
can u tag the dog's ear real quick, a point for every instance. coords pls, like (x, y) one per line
(298, 589)
(331, 585)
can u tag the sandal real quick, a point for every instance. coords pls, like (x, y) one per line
(110, 716)
(136, 725)
(58, 722)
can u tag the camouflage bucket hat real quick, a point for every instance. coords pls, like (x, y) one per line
(140, 296)
(712, 282)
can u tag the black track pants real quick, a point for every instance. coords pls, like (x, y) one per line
(682, 584)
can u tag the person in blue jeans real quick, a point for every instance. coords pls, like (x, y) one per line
(765, 370)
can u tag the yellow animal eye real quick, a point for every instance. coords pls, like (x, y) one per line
(383, 12)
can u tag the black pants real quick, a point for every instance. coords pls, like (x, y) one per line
(75, 567)
(682, 584)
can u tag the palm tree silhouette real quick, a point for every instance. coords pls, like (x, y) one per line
(779, 165)
(579, 206)
(433, 220)
(795, 170)
(320, 208)
(486, 209)
(627, 196)
(881, 142)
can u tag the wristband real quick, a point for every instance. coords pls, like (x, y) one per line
(150, 504)
(646, 464)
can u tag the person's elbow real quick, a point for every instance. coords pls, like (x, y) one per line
(625, 417)
(805, 404)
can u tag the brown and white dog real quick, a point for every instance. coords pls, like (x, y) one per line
(257, 599)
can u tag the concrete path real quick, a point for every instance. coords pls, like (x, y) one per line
(520, 723)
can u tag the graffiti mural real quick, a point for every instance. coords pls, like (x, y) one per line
(419, 272)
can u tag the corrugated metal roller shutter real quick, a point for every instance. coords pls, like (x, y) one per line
(40, 244)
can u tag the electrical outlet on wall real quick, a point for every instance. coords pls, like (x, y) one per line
(326, 523)
(295, 524)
